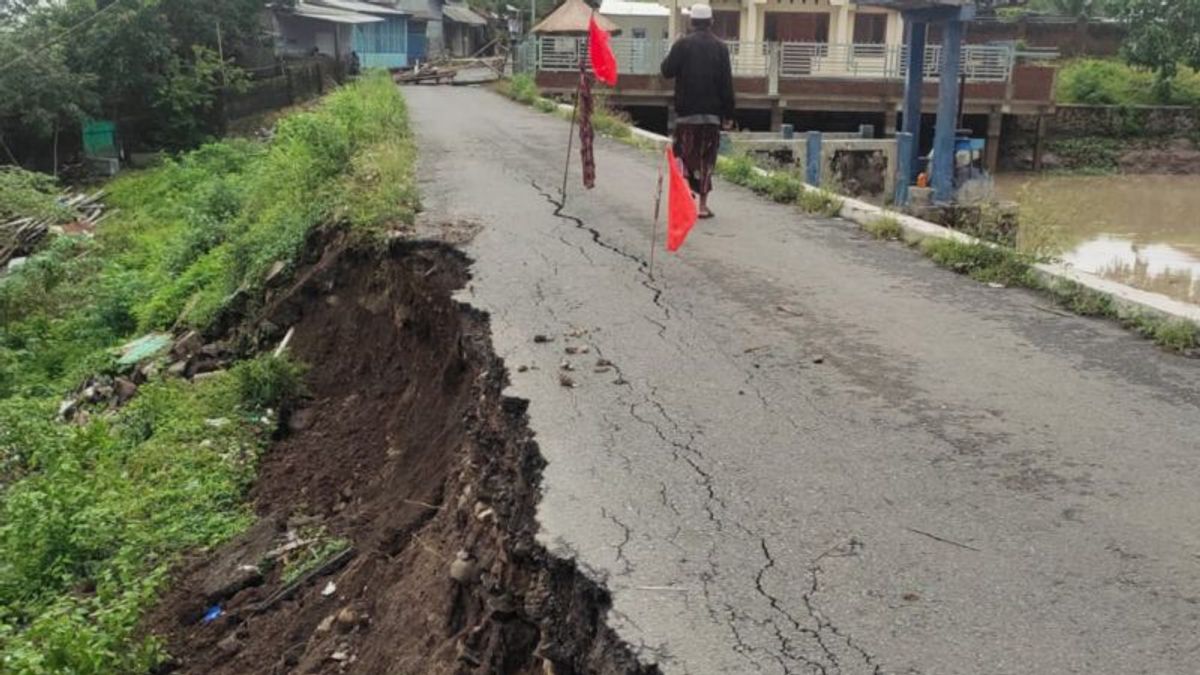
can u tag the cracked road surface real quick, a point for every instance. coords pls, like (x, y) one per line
(817, 453)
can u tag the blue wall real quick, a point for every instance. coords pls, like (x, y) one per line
(382, 44)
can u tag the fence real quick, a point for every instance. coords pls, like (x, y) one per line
(293, 83)
(642, 56)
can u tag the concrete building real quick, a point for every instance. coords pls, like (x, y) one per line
(638, 20)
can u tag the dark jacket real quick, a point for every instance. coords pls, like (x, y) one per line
(699, 64)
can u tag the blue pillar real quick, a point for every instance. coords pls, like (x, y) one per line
(913, 91)
(904, 158)
(947, 115)
(812, 160)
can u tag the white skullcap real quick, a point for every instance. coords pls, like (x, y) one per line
(701, 12)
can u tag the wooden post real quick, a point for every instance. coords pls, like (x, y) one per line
(1039, 145)
(995, 124)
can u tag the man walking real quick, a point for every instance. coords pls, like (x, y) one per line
(704, 103)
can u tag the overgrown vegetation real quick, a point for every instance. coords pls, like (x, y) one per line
(29, 194)
(93, 513)
(606, 120)
(1004, 266)
(783, 187)
(1111, 82)
(1090, 154)
(982, 262)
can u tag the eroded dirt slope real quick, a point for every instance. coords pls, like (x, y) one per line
(406, 450)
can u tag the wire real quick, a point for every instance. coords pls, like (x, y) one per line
(58, 38)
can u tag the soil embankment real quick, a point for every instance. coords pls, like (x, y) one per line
(405, 450)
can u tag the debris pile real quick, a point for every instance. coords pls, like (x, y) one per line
(19, 236)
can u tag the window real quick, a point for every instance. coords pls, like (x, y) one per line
(870, 29)
(797, 27)
(639, 33)
(726, 24)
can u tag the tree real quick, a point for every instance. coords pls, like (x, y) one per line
(40, 96)
(1162, 35)
(150, 60)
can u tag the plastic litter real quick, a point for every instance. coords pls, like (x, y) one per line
(212, 614)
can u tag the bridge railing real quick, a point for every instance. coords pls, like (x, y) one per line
(642, 56)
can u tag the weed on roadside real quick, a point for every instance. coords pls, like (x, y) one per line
(988, 264)
(885, 227)
(820, 202)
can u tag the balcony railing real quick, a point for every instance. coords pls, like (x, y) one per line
(641, 56)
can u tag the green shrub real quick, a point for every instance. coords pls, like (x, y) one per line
(269, 381)
(522, 88)
(739, 169)
(1112, 82)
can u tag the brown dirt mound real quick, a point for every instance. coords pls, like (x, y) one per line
(407, 450)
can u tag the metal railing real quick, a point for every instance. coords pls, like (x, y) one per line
(641, 56)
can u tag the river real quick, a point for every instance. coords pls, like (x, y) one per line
(1140, 230)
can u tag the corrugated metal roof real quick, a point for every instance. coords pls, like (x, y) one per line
(320, 13)
(417, 9)
(462, 14)
(627, 8)
(357, 7)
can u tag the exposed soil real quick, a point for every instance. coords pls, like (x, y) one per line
(407, 450)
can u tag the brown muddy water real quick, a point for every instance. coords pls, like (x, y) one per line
(1139, 230)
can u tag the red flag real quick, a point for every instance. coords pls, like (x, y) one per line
(604, 63)
(681, 207)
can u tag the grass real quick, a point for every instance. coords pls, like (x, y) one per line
(94, 514)
(606, 120)
(783, 187)
(980, 261)
(885, 227)
(1000, 265)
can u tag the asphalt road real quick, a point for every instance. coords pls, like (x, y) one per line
(818, 453)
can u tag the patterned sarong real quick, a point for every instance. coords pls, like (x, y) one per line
(696, 145)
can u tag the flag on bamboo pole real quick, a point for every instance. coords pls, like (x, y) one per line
(681, 206)
(586, 134)
(604, 62)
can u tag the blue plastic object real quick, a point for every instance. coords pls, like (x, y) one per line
(212, 614)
